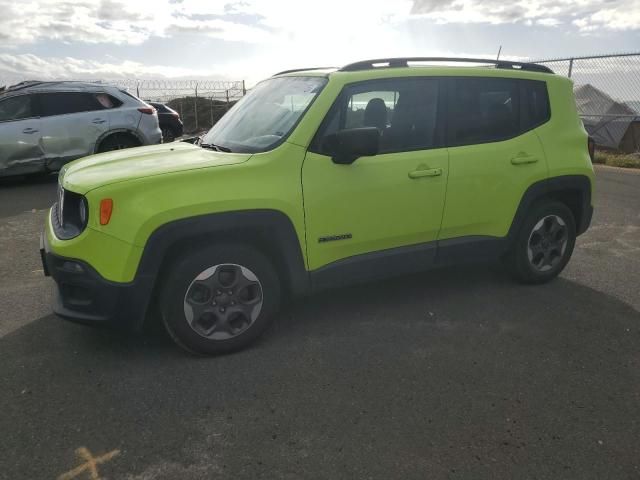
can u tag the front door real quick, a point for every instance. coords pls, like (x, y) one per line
(383, 205)
(20, 146)
(72, 122)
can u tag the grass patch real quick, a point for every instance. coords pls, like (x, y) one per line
(629, 160)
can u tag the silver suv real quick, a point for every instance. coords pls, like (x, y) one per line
(44, 125)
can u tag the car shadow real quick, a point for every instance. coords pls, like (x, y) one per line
(454, 369)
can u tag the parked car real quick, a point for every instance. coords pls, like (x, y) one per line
(170, 122)
(44, 125)
(320, 179)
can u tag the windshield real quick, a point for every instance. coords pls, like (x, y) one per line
(266, 115)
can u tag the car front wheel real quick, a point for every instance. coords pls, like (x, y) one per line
(219, 299)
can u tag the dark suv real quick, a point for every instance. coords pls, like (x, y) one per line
(170, 122)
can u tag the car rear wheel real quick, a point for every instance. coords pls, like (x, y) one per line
(544, 244)
(219, 299)
(118, 141)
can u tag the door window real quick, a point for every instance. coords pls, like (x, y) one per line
(483, 110)
(16, 108)
(62, 103)
(405, 112)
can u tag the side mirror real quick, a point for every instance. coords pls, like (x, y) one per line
(346, 146)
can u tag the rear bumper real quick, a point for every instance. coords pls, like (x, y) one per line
(84, 296)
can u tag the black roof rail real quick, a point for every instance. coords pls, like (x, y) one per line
(301, 70)
(404, 62)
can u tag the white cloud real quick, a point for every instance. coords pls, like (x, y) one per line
(14, 68)
(587, 15)
(287, 23)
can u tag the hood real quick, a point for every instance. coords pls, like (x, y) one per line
(95, 171)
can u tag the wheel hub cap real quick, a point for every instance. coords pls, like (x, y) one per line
(547, 243)
(223, 301)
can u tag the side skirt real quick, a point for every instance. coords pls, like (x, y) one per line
(405, 260)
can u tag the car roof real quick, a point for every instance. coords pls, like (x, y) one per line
(34, 86)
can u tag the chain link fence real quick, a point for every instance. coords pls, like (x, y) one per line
(607, 91)
(200, 103)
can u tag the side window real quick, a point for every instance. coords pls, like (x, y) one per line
(403, 110)
(107, 101)
(371, 109)
(15, 108)
(483, 110)
(535, 103)
(62, 103)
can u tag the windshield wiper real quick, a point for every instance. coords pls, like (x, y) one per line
(217, 148)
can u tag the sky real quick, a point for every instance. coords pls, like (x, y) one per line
(252, 39)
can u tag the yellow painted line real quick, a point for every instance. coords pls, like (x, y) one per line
(90, 464)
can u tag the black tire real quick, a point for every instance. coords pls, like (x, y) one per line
(179, 282)
(168, 134)
(536, 258)
(118, 141)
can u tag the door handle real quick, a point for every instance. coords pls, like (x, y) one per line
(429, 172)
(29, 130)
(99, 120)
(523, 159)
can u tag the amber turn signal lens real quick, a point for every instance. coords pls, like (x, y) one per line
(106, 208)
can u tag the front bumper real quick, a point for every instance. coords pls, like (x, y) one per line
(84, 296)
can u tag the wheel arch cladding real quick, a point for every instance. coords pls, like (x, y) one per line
(269, 231)
(572, 190)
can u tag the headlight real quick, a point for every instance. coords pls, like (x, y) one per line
(71, 214)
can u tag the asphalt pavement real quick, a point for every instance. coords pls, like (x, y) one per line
(456, 373)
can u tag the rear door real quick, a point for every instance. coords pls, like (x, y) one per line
(494, 152)
(72, 123)
(20, 147)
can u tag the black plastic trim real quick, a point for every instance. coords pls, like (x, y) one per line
(84, 296)
(375, 266)
(270, 230)
(556, 186)
(126, 304)
(409, 259)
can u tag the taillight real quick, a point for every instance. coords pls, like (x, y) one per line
(147, 110)
(591, 146)
(106, 208)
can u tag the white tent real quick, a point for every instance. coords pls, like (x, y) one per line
(612, 124)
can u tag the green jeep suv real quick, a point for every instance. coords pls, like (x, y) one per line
(321, 178)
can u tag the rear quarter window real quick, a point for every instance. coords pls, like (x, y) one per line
(535, 104)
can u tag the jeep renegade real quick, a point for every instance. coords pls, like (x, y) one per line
(322, 178)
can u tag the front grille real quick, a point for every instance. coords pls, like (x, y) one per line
(60, 204)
